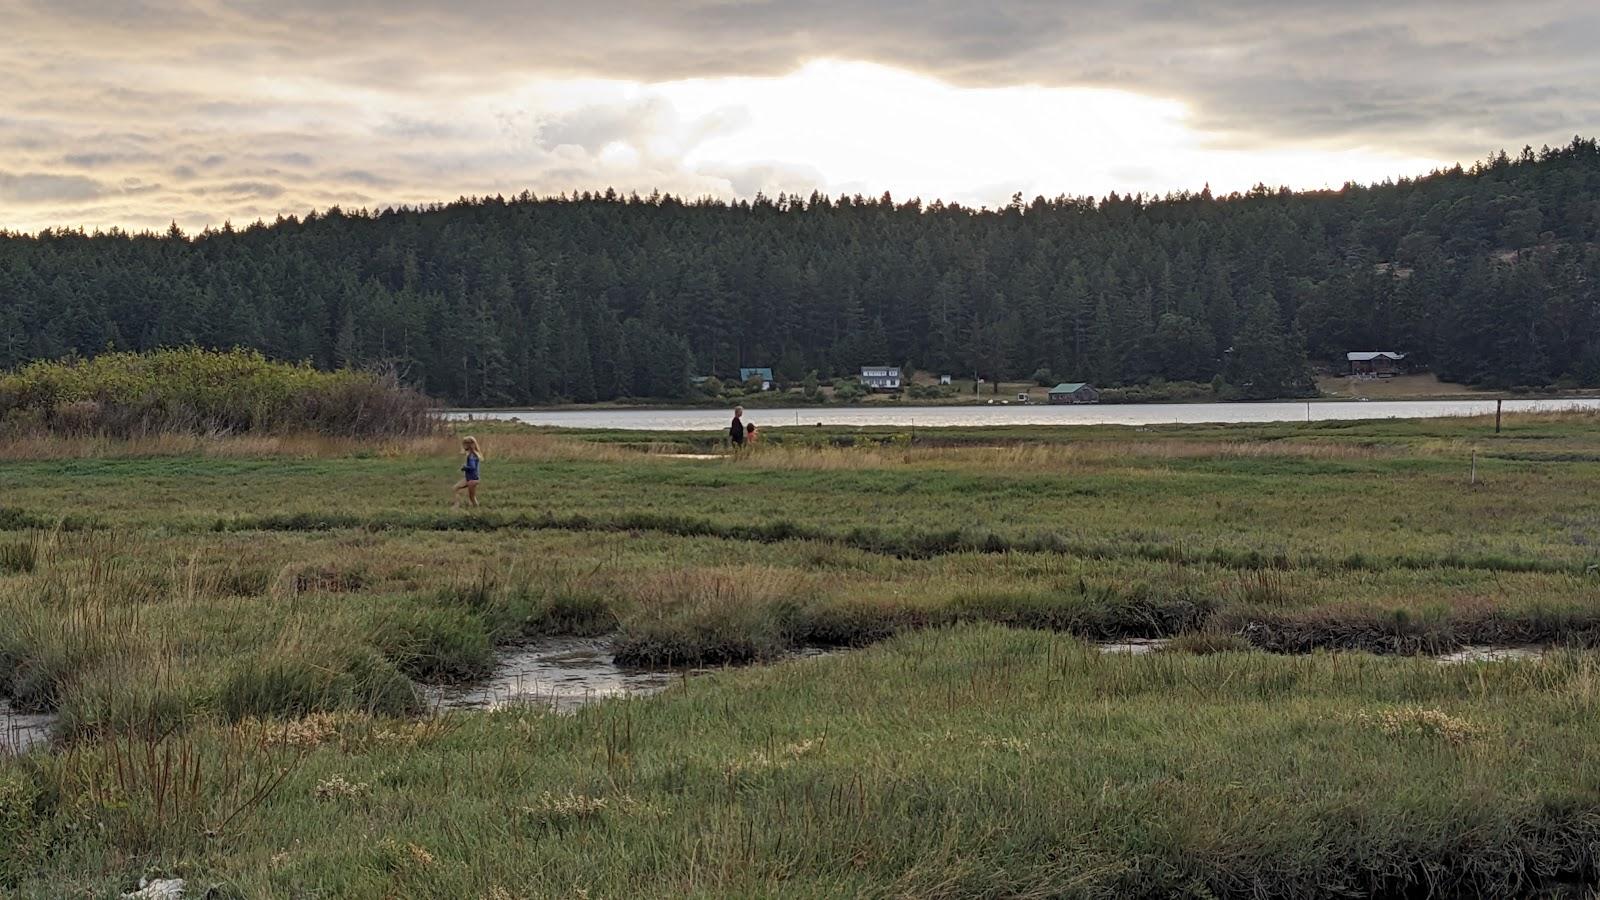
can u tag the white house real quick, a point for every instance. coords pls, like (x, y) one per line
(880, 378)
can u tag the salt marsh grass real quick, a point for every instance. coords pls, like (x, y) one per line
(941, 764)
(231, 646)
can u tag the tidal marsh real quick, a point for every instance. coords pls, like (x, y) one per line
(196, 600)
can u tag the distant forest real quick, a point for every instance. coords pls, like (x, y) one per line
(1488, 275)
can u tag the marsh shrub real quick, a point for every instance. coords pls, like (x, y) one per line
(561, 610)
(296, 686)
(22, 841)
(436, 644)
(18, 556)
(709, 618)
(200, 391)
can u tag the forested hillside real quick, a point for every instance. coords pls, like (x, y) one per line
(1489, 275)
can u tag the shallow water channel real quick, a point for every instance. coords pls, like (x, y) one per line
(561, 674)
(565, 674)
(21, 732)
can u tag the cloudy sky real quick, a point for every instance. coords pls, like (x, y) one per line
(143, 112)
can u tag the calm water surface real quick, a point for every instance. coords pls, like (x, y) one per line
(20, 733)
(565, 674)
(1102, 414)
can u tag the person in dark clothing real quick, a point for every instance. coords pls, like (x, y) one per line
(736, 430)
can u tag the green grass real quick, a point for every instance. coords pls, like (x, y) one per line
(222, 607)
(1330, 494)
(973, 762)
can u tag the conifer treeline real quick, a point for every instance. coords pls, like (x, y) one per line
(1490, 275)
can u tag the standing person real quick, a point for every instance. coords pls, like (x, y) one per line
(469, 474)
(736, 430)
(750, 435)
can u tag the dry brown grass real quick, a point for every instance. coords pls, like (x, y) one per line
(1037, 457)
(699, 588)
(529, 447)
(1416, 721)
(1400, 387)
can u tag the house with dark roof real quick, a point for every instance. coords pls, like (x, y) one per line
(1382, 363)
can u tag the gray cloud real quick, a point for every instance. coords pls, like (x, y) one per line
(1301, 68)
(101, 159)
(292, 158)
(263, 190)
(363, 177)
(594, 127)
(316, 101)
(37, 187)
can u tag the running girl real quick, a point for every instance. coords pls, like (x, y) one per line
(469, 474)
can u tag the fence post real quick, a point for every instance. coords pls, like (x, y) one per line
(1474, 479)
(1497, 405)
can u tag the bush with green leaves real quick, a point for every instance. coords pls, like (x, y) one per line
(190, 390)
(848, 391)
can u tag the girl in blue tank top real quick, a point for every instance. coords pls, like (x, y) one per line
(469, 473)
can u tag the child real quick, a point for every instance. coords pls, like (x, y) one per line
(469, 474)
(750, 434)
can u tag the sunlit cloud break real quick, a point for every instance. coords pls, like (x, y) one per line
(134, 116)
(838, 127)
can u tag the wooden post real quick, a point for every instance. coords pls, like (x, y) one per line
(1497, 405)
(1474, 479)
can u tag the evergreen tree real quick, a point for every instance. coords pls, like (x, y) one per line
(1487, 274)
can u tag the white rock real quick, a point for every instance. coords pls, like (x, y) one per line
(157, 889)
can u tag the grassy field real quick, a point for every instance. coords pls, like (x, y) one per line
(1399, 387)
(230, 631)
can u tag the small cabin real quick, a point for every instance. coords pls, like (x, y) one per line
(944, 380)
(1378, 363)
(1074, 392)
(762, 372)
(880, 378)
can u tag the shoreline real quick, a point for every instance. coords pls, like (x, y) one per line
(680, 406)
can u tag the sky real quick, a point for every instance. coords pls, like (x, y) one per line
(141, 113)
